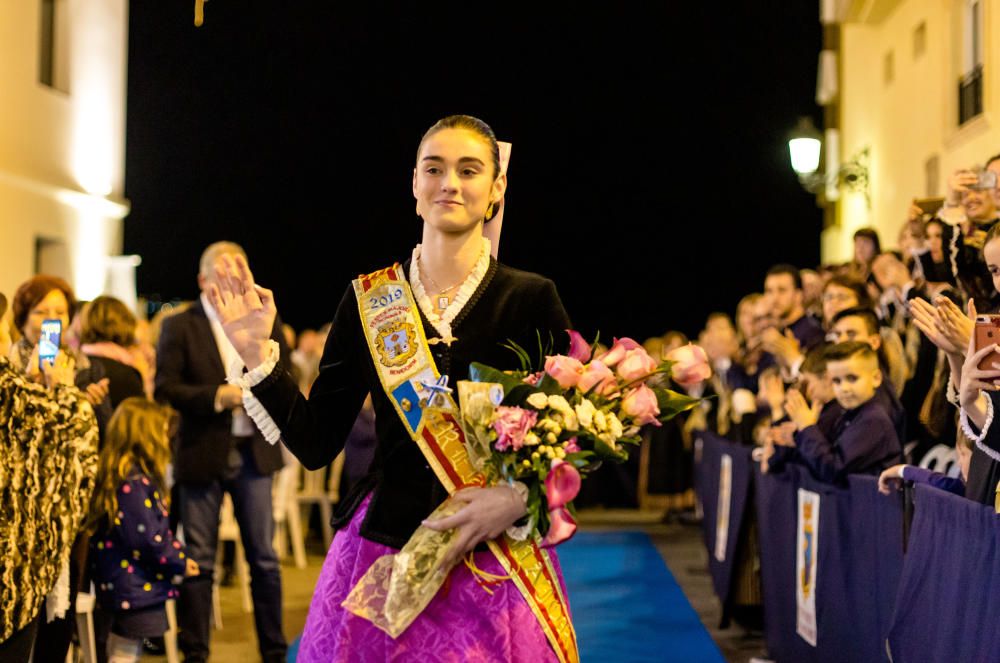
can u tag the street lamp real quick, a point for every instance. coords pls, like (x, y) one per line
(805, 146)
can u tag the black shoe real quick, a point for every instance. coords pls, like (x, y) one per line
(154, 646)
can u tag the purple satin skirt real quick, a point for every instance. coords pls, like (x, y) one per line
(462, 623)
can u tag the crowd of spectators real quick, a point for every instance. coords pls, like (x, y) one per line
(87, 439)
(866, 367)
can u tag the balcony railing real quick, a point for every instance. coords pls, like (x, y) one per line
(970, 95)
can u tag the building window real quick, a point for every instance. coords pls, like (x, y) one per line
(919, 40)
(970, 86)
(888, 68)
(53, 51)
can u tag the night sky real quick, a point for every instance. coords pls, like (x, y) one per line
(649, 175)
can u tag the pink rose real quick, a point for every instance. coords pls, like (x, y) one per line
(640, 404)
(564, 370)
(579, 349)
(618, 350)
(690, 365)
(533, 378)
(596, 373)
(635, 365)
(571, 446)
(511, 425)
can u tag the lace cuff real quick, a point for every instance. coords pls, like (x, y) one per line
(951, 393)
(978, 439)
(245, 381)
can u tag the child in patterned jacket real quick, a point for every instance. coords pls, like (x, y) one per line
(134, 556)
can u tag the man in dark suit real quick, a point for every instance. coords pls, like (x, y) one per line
(220, 450)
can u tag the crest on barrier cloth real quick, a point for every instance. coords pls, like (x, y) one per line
(806, 562)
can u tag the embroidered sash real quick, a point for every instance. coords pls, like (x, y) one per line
(404, 364)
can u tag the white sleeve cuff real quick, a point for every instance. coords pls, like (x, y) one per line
(793, 371)
(254, 409)
(978, 439)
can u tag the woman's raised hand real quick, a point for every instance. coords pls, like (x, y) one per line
(956, 326)
(927, 319)
(246, 310)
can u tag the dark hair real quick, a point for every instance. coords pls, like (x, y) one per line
(993, 233)
(108, 319)
(815, 361)
(33, 291)
(473, 124)
(3, 304)
(931, 220)
(786, 269)
(866, 314)
(872, 234)
(993, 158)
(848, 349)
(851, 283)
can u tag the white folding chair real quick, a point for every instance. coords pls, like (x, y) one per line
(287, 517)
(170, 637)
(314, 491)
(84, 610)
(939, 458)
(229, 530)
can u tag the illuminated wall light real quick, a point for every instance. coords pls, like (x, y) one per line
(805, 155)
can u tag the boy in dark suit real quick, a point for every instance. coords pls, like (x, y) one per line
(862, 440)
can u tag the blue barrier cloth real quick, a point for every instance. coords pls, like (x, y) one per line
(625, 604)
(946, 609)
(708, 471)
(859, 560)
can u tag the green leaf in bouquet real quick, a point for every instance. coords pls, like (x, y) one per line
(483, 373)
(519, 395)
(605, 450)
(672, 403)
(549, 386)
(522, 354)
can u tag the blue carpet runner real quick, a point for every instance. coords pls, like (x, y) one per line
(627, 607)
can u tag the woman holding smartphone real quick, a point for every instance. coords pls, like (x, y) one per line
(467, 304)
(975, 369)
(39, 299)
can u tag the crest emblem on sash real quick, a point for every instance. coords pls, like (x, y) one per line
(396, 343)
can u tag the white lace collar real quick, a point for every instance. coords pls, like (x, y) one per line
(442, 323)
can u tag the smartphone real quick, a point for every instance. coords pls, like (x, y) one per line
(987, 332)
(48, 342)
(985, 179)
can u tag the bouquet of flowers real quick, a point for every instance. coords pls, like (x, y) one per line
(540, 428)
(545, 427)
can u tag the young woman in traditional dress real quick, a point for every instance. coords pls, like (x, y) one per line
(468, 305)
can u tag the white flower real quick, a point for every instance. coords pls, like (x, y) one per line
(585, 413)
(614, 425)
(538, 400)
(600, 421)
(561, 405)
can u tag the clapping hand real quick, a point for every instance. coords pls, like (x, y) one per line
(799, 411)
(246, 310)
(941, 326)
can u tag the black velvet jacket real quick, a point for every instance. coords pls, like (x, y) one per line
(508, 304)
